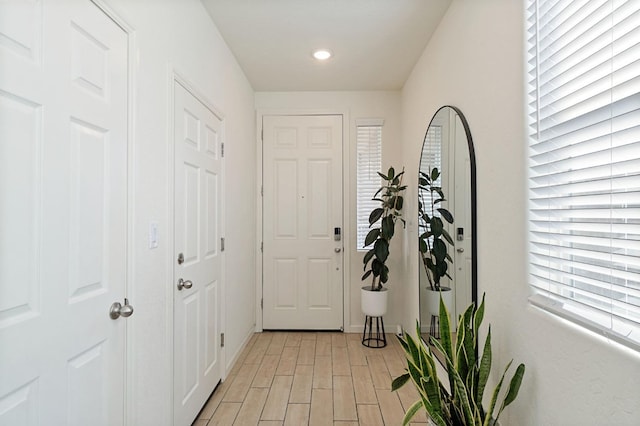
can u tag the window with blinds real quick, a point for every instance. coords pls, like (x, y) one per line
(584, 162)
(368, 164)
(431, 157)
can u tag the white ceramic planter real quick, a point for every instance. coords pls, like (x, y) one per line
(373, 303)
(433, 300)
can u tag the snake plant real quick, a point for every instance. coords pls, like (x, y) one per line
(467, 374)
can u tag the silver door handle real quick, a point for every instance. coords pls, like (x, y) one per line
(117, 310)
(184, 284)
(460, 250)
(337, 249)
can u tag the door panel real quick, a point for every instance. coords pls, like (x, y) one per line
(198, 227)
(302, 287)
(63, 213)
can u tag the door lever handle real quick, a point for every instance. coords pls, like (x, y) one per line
(460, 250)
(337, 249)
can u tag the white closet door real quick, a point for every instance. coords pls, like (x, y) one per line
(63, 213)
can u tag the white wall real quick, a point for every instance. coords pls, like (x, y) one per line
(475, 61)
(356, 105)
(182, 34)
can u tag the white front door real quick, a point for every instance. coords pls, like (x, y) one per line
(198, 254)
(63, 213)
(302, 205)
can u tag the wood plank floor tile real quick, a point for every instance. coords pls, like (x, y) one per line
(321, 412)
(297, 415)
(309, 335)
(240, 385)
(338, 340)
(277, 343)
(266, 371)
(395, 364)
(288, 359)
(270, 423)
(301, 387)
(293, 339)
(408, 395)
(356, 355)
(369, 414)
(276, 405)
(226, 414)
(379, 373)
(344, 401)
(322, 373)
(307, 352)
(340, 361)
(323, 344)
(341, 423)
(259, 348)
(390, 407)
(251, 409)
(363, 385)
(215, 399)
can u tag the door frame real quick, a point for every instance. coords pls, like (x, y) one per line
(346, 206)
(129, 341)
(175, 76)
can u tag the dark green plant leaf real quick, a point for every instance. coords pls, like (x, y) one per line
(384, 274)
(375, 215)
(367, 257)
(446, 214)
(485, 367)
(514, 387)
(388, 227)
(436, 226)
(371, 236)
(400, 381)
(435, 174)
(383, 176)
(494, 396)
(391, 173)
(439, 250)
(411, 412)
(376, 267)
(381, 249)
(447, 237)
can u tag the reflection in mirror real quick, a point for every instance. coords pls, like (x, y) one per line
(448, 146)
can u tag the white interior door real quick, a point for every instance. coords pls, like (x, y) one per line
(63, 213)
(302, 205)
(198, 231)
(462, 213)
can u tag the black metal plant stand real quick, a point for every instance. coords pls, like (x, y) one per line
(373, 339)
(434, 327)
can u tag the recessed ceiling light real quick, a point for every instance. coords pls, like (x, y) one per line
(322, 54)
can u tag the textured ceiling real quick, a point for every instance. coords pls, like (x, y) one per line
(375, 42)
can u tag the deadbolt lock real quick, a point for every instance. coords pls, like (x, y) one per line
(180, 258)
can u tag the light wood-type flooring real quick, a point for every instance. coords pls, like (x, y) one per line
(312, 378)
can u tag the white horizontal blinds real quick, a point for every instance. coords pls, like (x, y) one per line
(584, 116)
(368, 164)
(431, 157)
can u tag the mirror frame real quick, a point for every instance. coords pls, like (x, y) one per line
(474, 230)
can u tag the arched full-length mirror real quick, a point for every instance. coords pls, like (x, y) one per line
(448, 147)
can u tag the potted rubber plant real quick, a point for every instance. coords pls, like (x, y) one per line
(433, 238)
(467, 374)
(382, 223)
